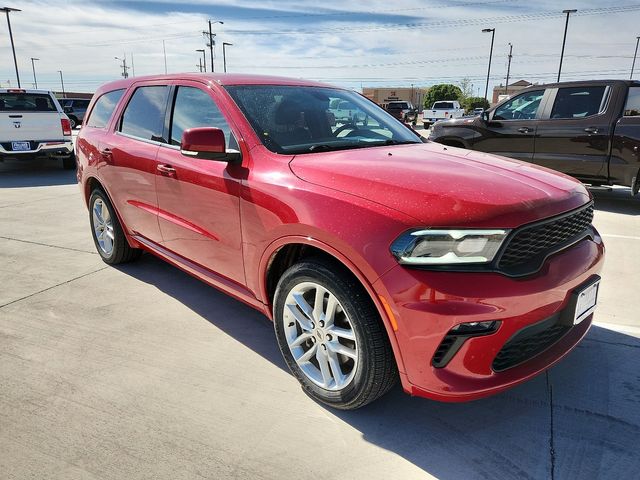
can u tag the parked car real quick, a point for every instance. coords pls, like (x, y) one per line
(403, 111)
(442, 111)
(478, 111)
(75, 108)
(589, 130)
(349, 237)
(343, 111)
(32, 124)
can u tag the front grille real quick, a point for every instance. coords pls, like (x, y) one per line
(526, 345)
(530, 244)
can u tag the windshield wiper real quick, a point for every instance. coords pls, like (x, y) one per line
(327, 147)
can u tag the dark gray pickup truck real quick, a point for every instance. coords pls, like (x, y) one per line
(589, 130)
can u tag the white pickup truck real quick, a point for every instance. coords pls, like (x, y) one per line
(33, 124)
(443, 110)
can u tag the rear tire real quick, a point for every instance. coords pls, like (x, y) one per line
(345, 335)
(107, 232)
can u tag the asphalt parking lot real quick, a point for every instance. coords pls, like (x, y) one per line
(142, 372)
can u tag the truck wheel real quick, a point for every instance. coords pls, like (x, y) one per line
(331, 336)
(107, 232)
(69, 163)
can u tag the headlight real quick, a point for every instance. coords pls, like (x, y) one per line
(445, 247)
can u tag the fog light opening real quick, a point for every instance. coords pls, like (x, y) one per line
(475, 328)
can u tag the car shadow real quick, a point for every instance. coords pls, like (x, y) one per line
(34, 173)
(616, 200)
(581, 419)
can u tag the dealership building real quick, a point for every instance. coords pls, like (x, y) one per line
(382, 96)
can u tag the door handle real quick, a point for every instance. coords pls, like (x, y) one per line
(525, 130)
(166, 170)
(591, 130)
(106, 154)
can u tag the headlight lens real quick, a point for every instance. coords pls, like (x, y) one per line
(446, 247)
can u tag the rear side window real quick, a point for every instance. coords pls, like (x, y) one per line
(522, 107)
(144, 115)
(26, 102)
(103, 109)
(195, 108)
(632, 107)
(578, 102)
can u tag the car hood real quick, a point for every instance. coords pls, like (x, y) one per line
(445, 186)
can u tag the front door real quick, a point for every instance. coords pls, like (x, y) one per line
(198, 199)
(625, 151)
(574, 138)
(511, 129)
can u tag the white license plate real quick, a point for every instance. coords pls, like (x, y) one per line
(586, 303)
(20, 146)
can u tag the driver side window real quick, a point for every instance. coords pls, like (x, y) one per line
(522, 107)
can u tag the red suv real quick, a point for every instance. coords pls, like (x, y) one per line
(378, 256)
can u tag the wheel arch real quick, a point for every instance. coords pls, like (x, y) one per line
(284, 252)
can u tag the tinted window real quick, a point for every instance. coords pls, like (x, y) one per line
(632, 107)
(103, 109)
(398, 106)
(443, 105)
(522, 107)
(144, 115)
(301, 119)
(26, 102)
(195, 108)
(578, 102)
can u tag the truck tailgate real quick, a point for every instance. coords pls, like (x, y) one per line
(16, 126)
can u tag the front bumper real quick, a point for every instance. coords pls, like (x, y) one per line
(39, 148)
(427, 304)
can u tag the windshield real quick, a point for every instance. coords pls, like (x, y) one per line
(297, 119)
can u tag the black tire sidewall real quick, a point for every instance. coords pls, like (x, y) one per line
(117, 231)
(309, 272)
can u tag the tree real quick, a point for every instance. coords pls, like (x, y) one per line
(444, 91)
(475, 102)
(467, 89)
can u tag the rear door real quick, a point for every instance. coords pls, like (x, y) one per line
(27, 119)
(129, 158)
(511, 128)
(574, 136)
(199, 199)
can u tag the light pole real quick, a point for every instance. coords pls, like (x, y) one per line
(204, 56)
(493, 34)
(13, 48)
(224, 55)
(33, 67)
(211, 43)
(64, 95)
(564, 39)
(506, 86)
(634, 58)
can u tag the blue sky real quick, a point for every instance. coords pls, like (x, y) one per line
(350, 43)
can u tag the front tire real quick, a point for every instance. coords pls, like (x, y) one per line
(107, 232)
(331, 335)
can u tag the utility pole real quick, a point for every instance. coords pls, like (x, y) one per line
(211, 43)
(125, 73)
(13, 48)
(164, 51)
(634, 58)
(224, 55)
(493, 34)
(33, 67)
(506, 86)
(204, 57)
(64, 95)
(564, 39)
(133, 69)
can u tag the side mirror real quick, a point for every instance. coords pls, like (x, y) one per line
(207, 143)
(485, 116)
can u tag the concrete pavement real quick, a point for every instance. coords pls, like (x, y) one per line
(143, 372)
